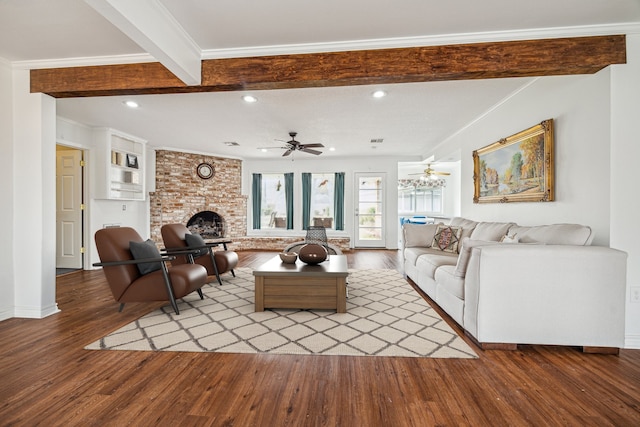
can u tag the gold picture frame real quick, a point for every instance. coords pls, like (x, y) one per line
(519, 168)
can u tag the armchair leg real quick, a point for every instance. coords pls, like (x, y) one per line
(200, 293)
(233, 273)
(215, 266)
(121, 307)
(167, 282)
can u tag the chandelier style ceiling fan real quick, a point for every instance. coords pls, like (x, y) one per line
(293, 145)
(428, 172)
(431, 178)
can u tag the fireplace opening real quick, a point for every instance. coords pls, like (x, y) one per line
(208, 224)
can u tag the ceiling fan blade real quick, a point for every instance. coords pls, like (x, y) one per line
(310, 151)
(311, 145)
(289, 151)
(439, 173)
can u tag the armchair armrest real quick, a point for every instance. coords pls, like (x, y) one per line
(183, 250)
(133, 261)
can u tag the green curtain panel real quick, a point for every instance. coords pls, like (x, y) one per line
(256, 197)
(338, 200)
(288, 195)
(306, 200)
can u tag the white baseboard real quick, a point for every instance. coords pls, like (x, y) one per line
(6, 313)
(36, 312)
(632, 341)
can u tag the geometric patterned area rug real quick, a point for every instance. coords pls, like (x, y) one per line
(385, 317)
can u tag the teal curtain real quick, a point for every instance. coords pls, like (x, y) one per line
(338, 200)
(306, 200)
(256, 199)
(288, 196)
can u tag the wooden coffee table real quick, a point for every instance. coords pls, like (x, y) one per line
(322, 286)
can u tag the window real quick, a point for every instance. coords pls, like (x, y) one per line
(415, 199)
(322, 200)
(273, 206)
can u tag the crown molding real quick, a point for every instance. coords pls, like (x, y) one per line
(83, 61)
(436, 40)
(547, 33)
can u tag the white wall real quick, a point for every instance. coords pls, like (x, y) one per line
(596, 148)
(625, 152)
(34, 200)
(580, 108)
(126, 213)
(350, 166)
(6, 192)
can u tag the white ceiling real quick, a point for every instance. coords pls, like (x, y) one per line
(412, 119)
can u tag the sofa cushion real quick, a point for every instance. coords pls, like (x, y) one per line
(465, 253)
(466, 224)
(418, 235)
(491, 230)
(555, 234)
(143, 250)
(447, 238)
(412, 254)
(448, 281)
(429, 263)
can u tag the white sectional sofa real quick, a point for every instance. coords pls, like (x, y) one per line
(506, 284)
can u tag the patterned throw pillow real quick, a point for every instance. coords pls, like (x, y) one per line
(447, 238)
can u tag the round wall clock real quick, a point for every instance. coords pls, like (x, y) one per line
(205, 170)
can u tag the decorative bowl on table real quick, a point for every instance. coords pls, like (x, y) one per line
(312, 253)
(288, 257)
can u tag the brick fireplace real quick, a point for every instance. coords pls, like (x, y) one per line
(181, 196)
(214, 205)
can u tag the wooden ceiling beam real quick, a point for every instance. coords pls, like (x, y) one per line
(565, 56)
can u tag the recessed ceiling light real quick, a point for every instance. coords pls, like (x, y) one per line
(264, 150)
(379, 94)
(131, 104)
(249, 98)
(332, 148)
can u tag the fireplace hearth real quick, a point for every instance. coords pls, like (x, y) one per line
(208, 224)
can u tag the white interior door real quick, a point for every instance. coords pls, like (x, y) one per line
(68, 209)
(369, 204)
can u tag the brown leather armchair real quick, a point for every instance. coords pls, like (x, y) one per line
(126, 281)
(216, 262)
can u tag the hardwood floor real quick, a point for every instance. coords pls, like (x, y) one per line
(47, 378)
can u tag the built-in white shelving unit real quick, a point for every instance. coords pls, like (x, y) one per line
(120, 165)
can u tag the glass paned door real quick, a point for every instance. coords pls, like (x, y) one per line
(370, 210)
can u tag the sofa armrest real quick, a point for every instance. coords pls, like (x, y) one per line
(547, 294)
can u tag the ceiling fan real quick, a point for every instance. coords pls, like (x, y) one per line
(428, 172)
(294, 145)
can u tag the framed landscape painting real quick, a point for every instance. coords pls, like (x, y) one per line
(518, 168)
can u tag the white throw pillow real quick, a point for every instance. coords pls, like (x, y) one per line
(510, 239)
(418, 235)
